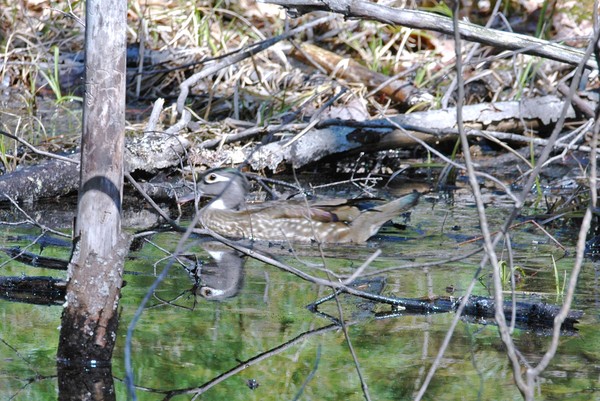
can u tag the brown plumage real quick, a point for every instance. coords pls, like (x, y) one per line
(329, 221)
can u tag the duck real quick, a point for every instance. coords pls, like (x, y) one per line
(329, 221)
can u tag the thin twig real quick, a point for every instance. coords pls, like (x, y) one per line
(37, 151)
(34, 221)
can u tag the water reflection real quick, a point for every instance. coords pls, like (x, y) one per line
(85, 383)
(223, 277)
(261, 332)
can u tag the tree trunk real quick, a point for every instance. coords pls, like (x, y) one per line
(90, 318)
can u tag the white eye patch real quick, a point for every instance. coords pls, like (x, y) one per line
(214, 177)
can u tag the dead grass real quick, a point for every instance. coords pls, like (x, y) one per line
(179, 38)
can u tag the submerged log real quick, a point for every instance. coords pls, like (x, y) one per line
(33, 290)
(35, 260)
(528, 315)
(536, 316)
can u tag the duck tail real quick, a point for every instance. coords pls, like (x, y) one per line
(369, 222)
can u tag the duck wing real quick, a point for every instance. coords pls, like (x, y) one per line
(325, 210)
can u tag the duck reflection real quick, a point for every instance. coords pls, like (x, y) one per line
(221, 278)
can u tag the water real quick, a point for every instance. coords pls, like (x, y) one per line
(184, 340)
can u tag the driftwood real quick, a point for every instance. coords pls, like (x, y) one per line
(375, 135)
(48, 179)
(400, 91)
(154, 151)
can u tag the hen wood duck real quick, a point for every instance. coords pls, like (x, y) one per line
(325, 221)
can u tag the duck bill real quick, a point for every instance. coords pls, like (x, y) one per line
(187, 198)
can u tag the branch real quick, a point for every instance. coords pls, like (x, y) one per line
(438, 23)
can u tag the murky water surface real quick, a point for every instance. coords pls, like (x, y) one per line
(184, 340)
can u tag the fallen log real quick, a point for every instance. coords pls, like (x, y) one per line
(56, 178)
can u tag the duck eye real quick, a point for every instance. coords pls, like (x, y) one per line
(211, 178)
